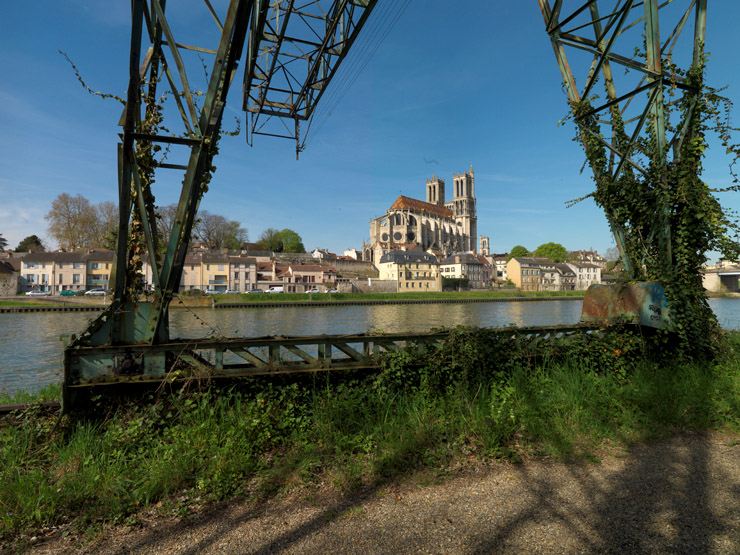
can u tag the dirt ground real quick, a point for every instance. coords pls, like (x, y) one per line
(675, 496)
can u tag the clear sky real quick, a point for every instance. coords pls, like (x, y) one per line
(454, 84)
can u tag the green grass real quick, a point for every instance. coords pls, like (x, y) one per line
(51, 392)
(324, 297)
(25, 303)
(349, 430)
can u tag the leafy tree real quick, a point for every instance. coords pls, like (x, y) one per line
(3, 242)
(517, 252)
(554, 251)
(458, 284)
(217, 232)
(31, 244)
(285, 240)
(292, 242)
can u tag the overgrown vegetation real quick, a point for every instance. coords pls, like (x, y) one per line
(477, 397)
(666, 219)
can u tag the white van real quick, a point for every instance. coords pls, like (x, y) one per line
(276, 289)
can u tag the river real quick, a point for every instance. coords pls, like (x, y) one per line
(32, 352)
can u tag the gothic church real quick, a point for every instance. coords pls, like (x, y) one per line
(441, 227)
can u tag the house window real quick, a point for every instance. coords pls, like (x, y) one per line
(60, 279)
(220, 267)
(208, 267)
(236, 276)
(61, 265)
(76, 279)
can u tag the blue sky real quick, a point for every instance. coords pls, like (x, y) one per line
(476, 84)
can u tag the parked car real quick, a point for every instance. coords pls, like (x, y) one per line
(332, 291)
(276, 289)
(232, 292)
(314, 290)
(212, 292)
(38, 293)
(255, 291)
(68, 293)
(95, 292)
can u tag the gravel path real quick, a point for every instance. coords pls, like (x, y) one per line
(677, 496)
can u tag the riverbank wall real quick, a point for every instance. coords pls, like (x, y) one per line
(174, 305)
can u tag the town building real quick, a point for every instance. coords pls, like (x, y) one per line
(566, 278)
(354, 254)
(99, 267)
(549, 275)
(323, 254)
(525, 273)
(499, 266)
(299, 278)
(435, 225)
(467, 266)
(54, 272)
(589, 257)
(412, 271)
(586, 274)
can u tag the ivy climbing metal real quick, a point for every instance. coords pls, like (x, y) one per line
(641, 110)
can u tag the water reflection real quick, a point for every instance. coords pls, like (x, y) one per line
(32, 353)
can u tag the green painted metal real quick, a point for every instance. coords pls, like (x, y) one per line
(104, 365)
(609, 28)
(129, 323)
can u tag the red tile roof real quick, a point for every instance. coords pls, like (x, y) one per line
(407, 203)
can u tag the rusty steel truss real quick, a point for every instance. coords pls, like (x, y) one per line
(206, 359)
(293, 49)
(605, 38)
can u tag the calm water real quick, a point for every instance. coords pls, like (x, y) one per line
(31, 352)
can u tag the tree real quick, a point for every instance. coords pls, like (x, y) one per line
(285, 240)
(292, 242)
(270, 240)
(554, 251)
(217, 232)
(612, 254)
(166, 221)
(106, 223)
(30, 244)
(3, 242)
(517, 252)
(71, 221)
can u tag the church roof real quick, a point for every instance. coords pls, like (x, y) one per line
(407, 203)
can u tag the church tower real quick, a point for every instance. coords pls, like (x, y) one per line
(463, 207)
(436, 191)
(485, 246)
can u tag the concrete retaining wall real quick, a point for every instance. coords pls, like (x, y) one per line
(371, 285)
(9, 285)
